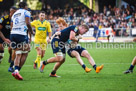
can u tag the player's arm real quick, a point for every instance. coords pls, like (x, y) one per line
(1, 34)
(73, 36)
(33, 24)
(49, 32)
(27, 19)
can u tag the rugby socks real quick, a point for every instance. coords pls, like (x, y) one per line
(53, 72)
(38, 58)
(12, 63)
(45, 62)
(131, 67)
(19, 68)
(94, 66)
(83, 66)
(16, 68)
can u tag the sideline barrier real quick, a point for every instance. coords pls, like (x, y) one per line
(103, 33)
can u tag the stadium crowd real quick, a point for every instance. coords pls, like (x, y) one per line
(121, 20)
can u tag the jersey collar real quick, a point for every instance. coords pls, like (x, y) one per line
(42, 21)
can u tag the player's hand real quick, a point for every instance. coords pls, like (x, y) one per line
(49, 40)
(58, 33)
(7, 41)
(79, 37)
(30, 40)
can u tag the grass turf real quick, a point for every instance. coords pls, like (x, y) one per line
(73, 77)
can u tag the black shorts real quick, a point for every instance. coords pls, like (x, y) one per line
(18, 40)
(79, 49)
(58, 46)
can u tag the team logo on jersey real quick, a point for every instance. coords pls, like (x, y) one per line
(42, 28)
(1, 20)
(76, 29)
(7, 26)
(8, 22)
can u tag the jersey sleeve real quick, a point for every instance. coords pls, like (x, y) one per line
(2, 21)
(74, 29)
(33, 23)
(27, 14)
(49, 27)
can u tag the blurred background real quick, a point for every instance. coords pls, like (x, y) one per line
(108, 17)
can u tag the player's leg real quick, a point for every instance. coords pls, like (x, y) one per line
(130, 70)
(58, 64)
(42, 53)
(79, 60)
(43, 46)
(10, 54)
(56, 50)
(16, 63)
(58, 58)
(18, 45)
(56, 67)
(1, 52)
(85, 54)
(11, 69)
(23, 59)
(38, 59)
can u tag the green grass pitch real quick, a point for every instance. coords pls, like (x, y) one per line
(73, 77)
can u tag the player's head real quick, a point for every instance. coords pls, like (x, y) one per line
(83, 29)
(23, 5)
(61, 23)
(12, 11)
(42, 15)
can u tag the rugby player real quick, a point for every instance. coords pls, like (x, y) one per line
(5, 33)
(58, 43)
(20, 23)
(75, 51)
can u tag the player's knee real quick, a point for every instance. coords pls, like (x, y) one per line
(75, 54)
(63, 60)
(59, 58)
(87, 55)
(42, 56)
(19, 53)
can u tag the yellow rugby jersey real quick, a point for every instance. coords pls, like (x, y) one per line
(41, 28)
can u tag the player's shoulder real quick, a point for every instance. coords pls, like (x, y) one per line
(72, 27)
(35, 21)
(46, 21)
(3, 18)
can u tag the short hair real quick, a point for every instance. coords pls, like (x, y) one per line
(22, 4)
(42, 12)
(85, 26)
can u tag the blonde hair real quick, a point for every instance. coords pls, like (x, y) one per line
(61, 20)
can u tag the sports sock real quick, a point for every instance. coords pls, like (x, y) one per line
(35, 61)
(16, 68)
(12, 63)
(131, 67)
(19, 68)
(94, 66)
(38, 58)
(53, 72)
(83, 66)
(45, 62)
